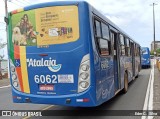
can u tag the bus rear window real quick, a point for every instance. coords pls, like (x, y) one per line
(144, 51)
(45, 26)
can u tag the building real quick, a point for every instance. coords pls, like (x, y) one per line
(157, 45)
(3, 68)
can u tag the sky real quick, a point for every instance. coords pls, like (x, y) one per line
(135, 17)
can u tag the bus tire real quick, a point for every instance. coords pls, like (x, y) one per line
(138, 72)
(137, 75)
(125, 89)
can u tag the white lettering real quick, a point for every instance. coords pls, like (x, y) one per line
(30, 62)
(46, 63)
(45, 79)
(41, 62)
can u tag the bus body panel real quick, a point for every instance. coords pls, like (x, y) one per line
(103, 67)
(104, 79)
(128, 67)
(67, 67)
(137, 66)
(68, 57)
(137, 61)
(145, 57)
(74, 99)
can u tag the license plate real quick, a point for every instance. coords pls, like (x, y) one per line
(65, 79)
(46, 87)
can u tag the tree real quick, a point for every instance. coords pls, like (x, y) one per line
(158, 51)
(2, 45)
(152, 52)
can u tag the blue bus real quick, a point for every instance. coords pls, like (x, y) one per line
(68, 53)
(145, 57)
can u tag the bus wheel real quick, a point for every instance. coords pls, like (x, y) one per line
(125, 83)
(137, 75)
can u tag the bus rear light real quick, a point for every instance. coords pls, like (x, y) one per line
(85, 67)
(17, 97)
(13, 69)
(15, 84)
(86, 100)
(84, 74)
(14, 77)
(82, 100)
(84, 84)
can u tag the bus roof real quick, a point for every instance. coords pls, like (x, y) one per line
(144, 48)
(47, 4)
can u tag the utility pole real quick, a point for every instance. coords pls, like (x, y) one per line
(154, 28)
(6, 18)
(2, 45)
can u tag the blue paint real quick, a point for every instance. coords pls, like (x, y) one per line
(145, 56)
(67, 59)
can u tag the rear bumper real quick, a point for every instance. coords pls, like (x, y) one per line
(66, 100)
(145, 63)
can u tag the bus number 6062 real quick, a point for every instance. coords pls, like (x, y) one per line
(45, 79)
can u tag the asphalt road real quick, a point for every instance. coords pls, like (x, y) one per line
(132, 100)
(7, 104)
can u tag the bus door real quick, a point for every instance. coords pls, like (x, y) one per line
(117, 76)
(133, 58)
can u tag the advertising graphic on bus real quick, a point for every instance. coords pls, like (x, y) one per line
(61, 55)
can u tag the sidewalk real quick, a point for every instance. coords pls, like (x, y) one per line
(156, 90)
(4, 82)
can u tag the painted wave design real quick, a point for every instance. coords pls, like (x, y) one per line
(55, 68)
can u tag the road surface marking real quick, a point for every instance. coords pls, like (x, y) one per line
(27, 117)
(48, 107)
(5, 86)
(148, 103)
(40, 110)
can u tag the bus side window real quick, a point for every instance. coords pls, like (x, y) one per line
(105, 35)
(102, 38)
(128, 53)
(103, 46)
(122, 45)
(98, 28)
(135, 48)
(105, 31)
(138, 51)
